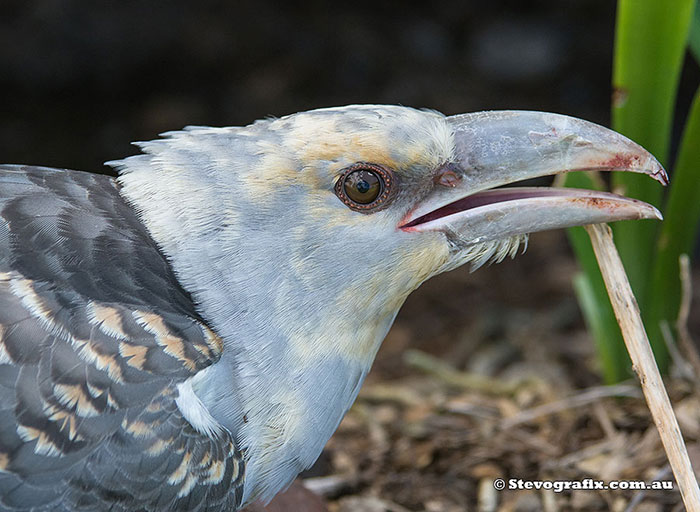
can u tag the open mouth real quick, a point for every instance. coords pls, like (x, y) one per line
(481, 199)
(527, 196)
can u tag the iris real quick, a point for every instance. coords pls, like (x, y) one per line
(362, 186)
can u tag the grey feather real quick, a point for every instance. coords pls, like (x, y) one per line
(95, 334)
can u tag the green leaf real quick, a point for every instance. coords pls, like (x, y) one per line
(694, 36)
(650, 44)
(601, 323)
(680, 228)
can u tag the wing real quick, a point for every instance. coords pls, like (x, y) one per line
(96, 334)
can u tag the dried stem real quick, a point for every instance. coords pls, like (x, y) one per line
(448, 374)
(684, 338)
(627, 314)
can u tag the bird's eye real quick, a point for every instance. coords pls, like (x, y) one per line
(364, 187)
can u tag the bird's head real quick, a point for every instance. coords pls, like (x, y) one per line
(373, 200)
(397, 191)
(301, 237)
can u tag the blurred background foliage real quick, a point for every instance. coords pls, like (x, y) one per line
(81, 79)
(652, 41)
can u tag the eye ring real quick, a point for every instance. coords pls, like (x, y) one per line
(365, 182)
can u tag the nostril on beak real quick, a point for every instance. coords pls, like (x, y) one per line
(447, 177)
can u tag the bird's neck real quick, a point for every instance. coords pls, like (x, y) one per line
(298, 341)
(282, 398)
(284, 391)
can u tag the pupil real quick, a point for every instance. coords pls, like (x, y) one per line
(362, 187)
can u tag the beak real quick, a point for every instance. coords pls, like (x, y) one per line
(502, 147)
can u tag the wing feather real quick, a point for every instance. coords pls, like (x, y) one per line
(95, 335)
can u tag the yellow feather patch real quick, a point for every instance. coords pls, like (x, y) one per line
(213, 340)
(217, 470)
(73, 396)
(135, 355)
(138, 429)
(44, 446)
(157, 448)
(382, 295)
(236, 469)
(5, 357)
(154, 406)
(187, 486)
(24, 289)
(108, 319)
(102, 361)
(171, 344)
(179, 474)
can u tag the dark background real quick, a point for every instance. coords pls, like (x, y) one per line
(79, 80)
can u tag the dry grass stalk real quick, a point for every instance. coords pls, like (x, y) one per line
(591, 395)
(438, 368)
(684, 312)
(627, 314)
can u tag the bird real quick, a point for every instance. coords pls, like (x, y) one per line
(188, 334)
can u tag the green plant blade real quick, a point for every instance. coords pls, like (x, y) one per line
(650, 44)
(649, 48)
(612, 357)
(694, 36)
(680, 228)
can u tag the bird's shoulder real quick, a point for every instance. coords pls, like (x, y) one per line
(78, 260)
(96, 335)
